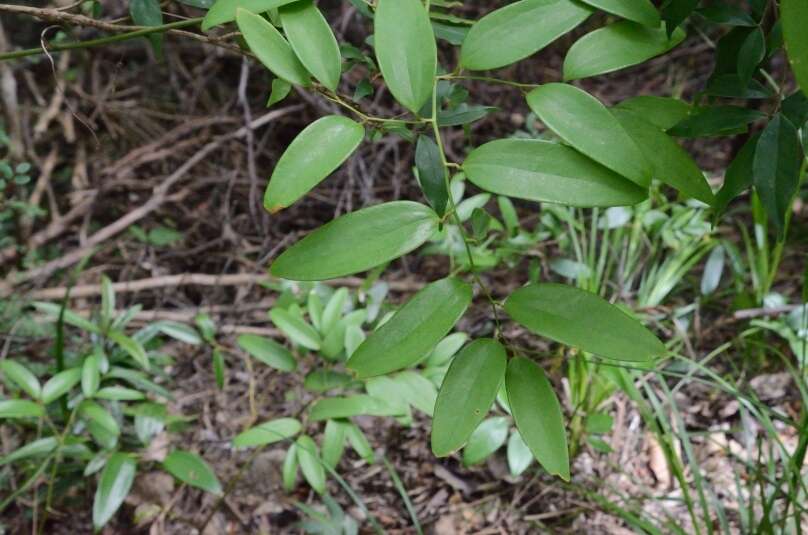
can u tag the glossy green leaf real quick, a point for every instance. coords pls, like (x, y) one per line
(333, 310)
(406, 50)
(310, 464)
(21, 376)
(225, 10)
(271, 48)
(486, 439)
(268, 433)
(537, 414)
(776, 169)
(192, 470)
(132, 347)
(642, 11)
(37, 448)
(300, 332)
(467, 393)
(671, 163)
(751, 54)
(712, 121)
(279, 90)
(325, 380)
(794, 20)
(60, 384)
(219, 368)
(98, 415)
(547, 172)
(346, 407)
(664, 112)
(463, 114)
(179, 331)
(519, 455)
(738, 176)
(518, 30)
(313, 41)
(431, 173)
(333, 443)
(268, 351)
(414, 329)
(113, 487)
(418, 391)
(583, 122)
(446, 349)
(616, 47)
(358, 241)
(584, 320)
(90, 375)
(20, 408)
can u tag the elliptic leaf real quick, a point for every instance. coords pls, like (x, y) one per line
(313, 41)
(268, 433)
(113, 487)
(663, 112)
(309, 460)
(357, 405)
(37, 448)
(547, 172)
(268, 351)
(486, 439)
(738, 176)
(60, 384)
(467, 393)
(191, 469)
(271, 49)
(519, 455)
(672, 164)
(583, 122)
(20, 408)
(537, 414)
(414, 330)
(641, 11)
(358, 241)
(519, 30)
(711, 121)
(21, 376)
(295, 328)
(225, 10)
(431, 173)
(584, 320)
(616, 47)
(406, 50)
(794, 18)
(333, 443)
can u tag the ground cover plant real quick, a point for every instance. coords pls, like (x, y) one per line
(560, 258)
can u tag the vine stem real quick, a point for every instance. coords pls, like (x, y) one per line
(453, 208)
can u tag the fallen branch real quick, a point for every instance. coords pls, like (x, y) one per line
(764, 312)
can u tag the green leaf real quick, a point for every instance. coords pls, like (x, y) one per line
(113, 487)
(20, 408)
(519, 30)
(431, 173)
(219, 368)
(358, 241)
(711, 121)
(728, 15)
(333, 310)
(446, 349)
(418, 391)
(279, 91)
(90, 376)
(60, 384)
(751, 54)
(313, 41)
(333, 443)
(467, 393)
(308, 458)
(37, 448)
(359, 442)
(671, 163)
(738, 176)
(300, 332)
(519, 455)
(267, 351)
(547, 172)
(537, 414)
(289, 470)
(616, 47)
(584, 320)
(132, 347)
(22, 377)
(180, 331)
(147, 13)
(119, 393)
(325, 380)
(776, 169)
(268, 433)
(583, 122)
(794, 18)
(107, 300)
(674, 12)
(191, 469)
(641, 11)
(360, 404)
(599, 423)
(53, 311)
(225, 10)
(271, 48)
(406, 50)
(414, 329)
(99, 416)
(150, 420)
(463, 114)
(711, 277)
(486, 439)
(663, 112)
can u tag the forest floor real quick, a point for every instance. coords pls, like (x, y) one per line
(126, 145)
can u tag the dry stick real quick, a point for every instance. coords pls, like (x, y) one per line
(764, 312)
(159, 196)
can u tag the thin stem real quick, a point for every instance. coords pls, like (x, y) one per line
(519, 85)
